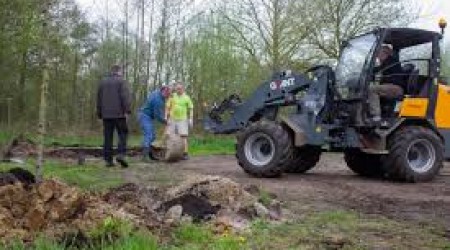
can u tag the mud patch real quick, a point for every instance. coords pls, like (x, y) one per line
(199, 208)
(21, 148)
(15, 175)
(219, 191)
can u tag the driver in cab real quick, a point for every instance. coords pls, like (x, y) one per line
(391, 81)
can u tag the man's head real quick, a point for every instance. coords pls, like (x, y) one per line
(179, 88)
(385, 52)
(116, 70)
(165, 91)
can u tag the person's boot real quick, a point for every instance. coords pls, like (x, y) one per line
(146, 155)
(121, 160)
(185, 156)
(109, 163)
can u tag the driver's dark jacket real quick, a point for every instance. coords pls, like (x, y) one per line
(391, 72)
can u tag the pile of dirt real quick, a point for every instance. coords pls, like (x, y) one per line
(219, 200)
(139, 201)
(56, 210)
(219, 191)
(199, 199)
(50, 207)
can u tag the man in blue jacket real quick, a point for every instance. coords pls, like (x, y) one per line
(153, 109)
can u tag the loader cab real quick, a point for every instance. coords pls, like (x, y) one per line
(417, 51)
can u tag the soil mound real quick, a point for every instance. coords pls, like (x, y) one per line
(57, 210)
(50, 207)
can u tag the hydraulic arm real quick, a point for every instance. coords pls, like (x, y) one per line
(264, 102)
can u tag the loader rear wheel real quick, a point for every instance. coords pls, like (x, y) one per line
(303, 159)
(263, 149)
(367, 165)
(416, 155)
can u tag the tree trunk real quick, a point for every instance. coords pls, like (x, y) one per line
(44, 92)
(150, 36)
(22, 80)
(126, 41)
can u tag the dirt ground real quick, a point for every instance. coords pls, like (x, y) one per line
(330, 185)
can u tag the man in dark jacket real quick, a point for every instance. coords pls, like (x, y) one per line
(391, 85)
(113, 106)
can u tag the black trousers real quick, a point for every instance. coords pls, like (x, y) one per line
(109, 126)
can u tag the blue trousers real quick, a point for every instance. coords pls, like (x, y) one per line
(148, 130)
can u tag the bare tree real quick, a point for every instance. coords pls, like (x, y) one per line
(338, 20)
(271, 31)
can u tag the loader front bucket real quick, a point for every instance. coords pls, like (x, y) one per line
(220, 114)
(210, 125)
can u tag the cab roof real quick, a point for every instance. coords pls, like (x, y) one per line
(406, 37)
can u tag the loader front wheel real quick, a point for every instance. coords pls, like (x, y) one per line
(263, 149)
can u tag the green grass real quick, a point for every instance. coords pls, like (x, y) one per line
(135, 241)
(90, 177)
(320, 230)
(212, 145)
(191, 236)
(264, 197)
(5, 137)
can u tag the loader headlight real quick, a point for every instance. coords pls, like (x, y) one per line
(442, 23)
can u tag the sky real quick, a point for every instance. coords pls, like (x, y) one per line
(431, 11)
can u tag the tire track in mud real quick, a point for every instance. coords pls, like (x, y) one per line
(332, 185)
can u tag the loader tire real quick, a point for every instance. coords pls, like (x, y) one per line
(416, 154)
(263, 149)
(366, 165)
(303, 160)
